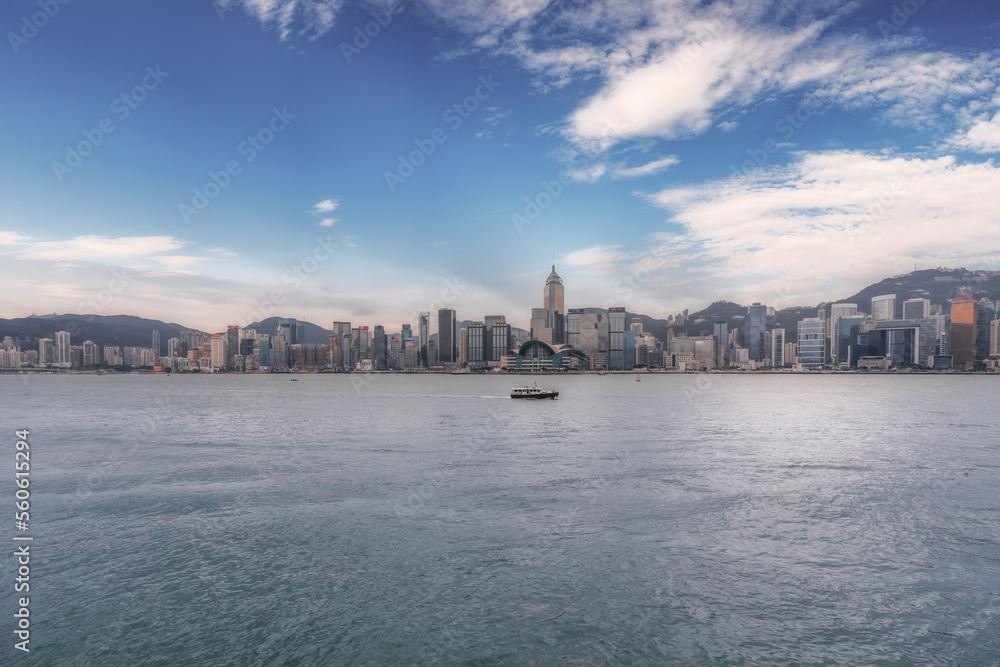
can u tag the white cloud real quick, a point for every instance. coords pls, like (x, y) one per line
(311, 18)
(13, 238)
(645, 169)
(833, 220)
(328, 222)
(589, 174)
(596, 260)
(728, 125)
(326, 206)
(99, 248)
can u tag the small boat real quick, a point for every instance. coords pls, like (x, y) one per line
(294, 380)
(533, 392)
(638, 379)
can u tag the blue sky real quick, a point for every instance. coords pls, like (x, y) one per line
(210, 162)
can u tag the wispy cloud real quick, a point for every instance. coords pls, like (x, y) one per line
(292, 18)
(833, 219)
(645, 169)
(328, 222)
(597, 260)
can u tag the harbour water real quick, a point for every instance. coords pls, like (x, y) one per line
(398, 520)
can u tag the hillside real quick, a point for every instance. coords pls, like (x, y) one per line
(124, 330)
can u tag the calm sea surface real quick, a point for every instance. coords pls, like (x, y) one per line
(338, 520)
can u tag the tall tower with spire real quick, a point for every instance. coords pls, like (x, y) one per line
(554, 307)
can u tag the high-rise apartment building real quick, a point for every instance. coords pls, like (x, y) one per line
(63, 352)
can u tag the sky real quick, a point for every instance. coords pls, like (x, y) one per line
(215, 162)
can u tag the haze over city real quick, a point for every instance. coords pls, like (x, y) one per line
(361, 158)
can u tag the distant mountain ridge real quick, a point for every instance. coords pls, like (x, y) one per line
(938, 285)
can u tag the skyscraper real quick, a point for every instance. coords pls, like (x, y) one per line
(837, 311)
(156, 342)
(380, 347)
(916, 309)
(755, 328)
(489, 321)
(778, 347)
(424, 333)
(446, 335)
(342, 341)
(616, 338)
(884, 307)
(500, 343)
(963, 331)
(477, 344)
(232, 345)
(721, 331)
(812, 342)
(554, 309)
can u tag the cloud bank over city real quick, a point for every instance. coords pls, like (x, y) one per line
(725, 150)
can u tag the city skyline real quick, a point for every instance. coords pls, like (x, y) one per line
(211, 160)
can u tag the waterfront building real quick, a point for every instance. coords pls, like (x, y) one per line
(381, 360)
(219, 351)
(812, 342)
(616, 338)
(500, 343)
(754, 328)
(424, 332)
(721, 331)
(232, 345)
(778, 347)
(432, 353)
(554, 309)
(963, 331)
(692, 353)
(63, 354)
(411, 353)
(91, 353)
(264, 351)
(463, 347)
(476, 337)
(156, 342)
(489, 322)
(447, 326)
(995, 339)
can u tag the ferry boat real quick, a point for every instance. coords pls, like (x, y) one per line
(533, 392)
